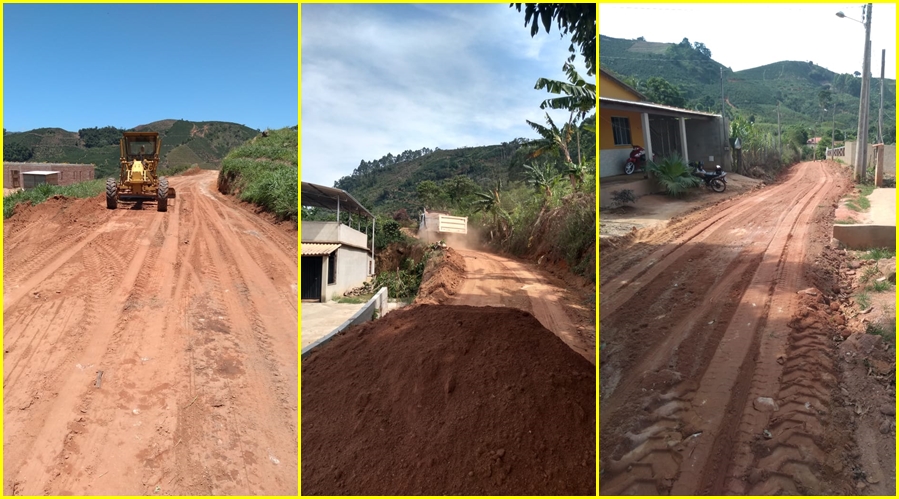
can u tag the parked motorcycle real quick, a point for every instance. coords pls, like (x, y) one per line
(636, 158)
(714, 180)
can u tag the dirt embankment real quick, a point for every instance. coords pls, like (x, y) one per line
(443, 275)
(719, 365)
(454, 400)
(149, 353)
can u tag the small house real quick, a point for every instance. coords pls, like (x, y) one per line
(36, 178)
(335, 257)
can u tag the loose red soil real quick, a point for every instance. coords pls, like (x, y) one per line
(443, 275)
(718, 361)
(190, 316)
(455, 400)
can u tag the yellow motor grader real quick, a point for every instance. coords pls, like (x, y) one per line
(138, 179)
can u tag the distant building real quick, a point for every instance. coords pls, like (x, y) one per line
(335, 257)
(67, 173)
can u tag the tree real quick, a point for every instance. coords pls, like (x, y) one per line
(543, 178)
(658, 90)
(459, 187)
(578, 19)
(579, 95)
(552, 139)
(702, 49)
(14, 151)
(429, 193)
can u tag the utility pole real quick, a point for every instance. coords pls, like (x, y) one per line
(861, 155)
(723, 121)
(883, 59)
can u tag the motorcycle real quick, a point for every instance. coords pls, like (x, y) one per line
(714, 180)
(636, 158)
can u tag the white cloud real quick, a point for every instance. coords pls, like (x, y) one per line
(390, 78)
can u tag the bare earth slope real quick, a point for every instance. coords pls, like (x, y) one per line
(715, 377)
(191, 317)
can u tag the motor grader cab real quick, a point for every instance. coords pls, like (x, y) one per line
(138, 179)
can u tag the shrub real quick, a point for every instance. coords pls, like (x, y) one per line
(674, 175)
(623, 196)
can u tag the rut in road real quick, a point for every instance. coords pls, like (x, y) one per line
(700, 328)
(191, 315)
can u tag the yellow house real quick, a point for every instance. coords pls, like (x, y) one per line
(628, 118)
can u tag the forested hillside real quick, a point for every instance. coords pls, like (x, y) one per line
(686, 75)
(184, 143)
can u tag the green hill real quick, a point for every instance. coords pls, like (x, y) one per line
(184, 143)
(389, 184)
(796, 85)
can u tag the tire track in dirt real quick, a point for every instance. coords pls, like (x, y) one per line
(495, 281)
(684, 442)
(190, 403)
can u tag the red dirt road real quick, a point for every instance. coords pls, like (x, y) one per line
(191, 315)
(495, 281)
(703, 333)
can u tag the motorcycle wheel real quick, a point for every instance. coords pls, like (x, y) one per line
(718, 185)
(630, 167)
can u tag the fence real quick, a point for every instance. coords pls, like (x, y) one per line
(836, 152)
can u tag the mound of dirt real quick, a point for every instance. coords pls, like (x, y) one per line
(191, 171)
(451, 400)
(443, 275)
(58, 210)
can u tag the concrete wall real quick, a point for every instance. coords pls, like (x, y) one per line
(352, 270)
(889, 157)
(704, 142)
(332, 232)
(866, 236)
(69, 173)
(377, 303)
(612, 157)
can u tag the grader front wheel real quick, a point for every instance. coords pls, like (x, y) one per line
(162, 194)
(112, 194)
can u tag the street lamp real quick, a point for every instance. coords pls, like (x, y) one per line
(861, 154)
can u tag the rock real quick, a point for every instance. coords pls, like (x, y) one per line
(887, 267)
(501, 452)
(885, 428)
(809, 291)
(888, 410)
(834, 306)
(839, 319)
(835, 289)
(845, 333)
(765, 404)
(854, 264)
(850, 272)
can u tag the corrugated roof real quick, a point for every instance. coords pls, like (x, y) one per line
(658, 108)
(317, 249)
(330, 198)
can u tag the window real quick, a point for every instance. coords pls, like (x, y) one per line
(621, 128)
(332, 268)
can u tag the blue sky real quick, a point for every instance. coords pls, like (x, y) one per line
(744, 36)
(77, 66)
(386, 78)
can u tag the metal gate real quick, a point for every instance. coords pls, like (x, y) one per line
(311, 286)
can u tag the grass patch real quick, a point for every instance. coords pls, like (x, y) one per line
(43, 192)
(847, 221)
(353, 299)
(869, 272)
(852, 206)
(880, 286)
(863, 300)
(263, 171)
(866, 189)
(878, 254)
(888, 334)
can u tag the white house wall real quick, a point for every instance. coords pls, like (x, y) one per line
(352, 270)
